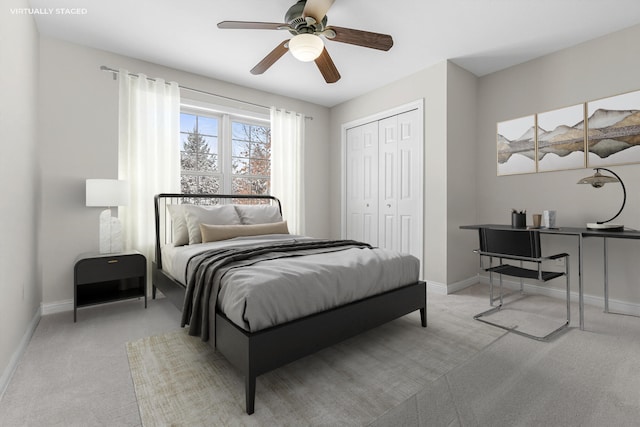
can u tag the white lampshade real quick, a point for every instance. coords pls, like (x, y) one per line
(107, 192)
(306, 47)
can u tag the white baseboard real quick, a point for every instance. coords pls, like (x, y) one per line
(436, 287)
(13, 363)
(444, 289)
(56, 307)
(616, 306)
(458, 286)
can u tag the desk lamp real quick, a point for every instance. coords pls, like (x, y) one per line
(597, 181)
(108, 193)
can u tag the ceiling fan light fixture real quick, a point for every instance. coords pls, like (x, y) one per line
(306, 47)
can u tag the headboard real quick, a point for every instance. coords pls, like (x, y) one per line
(163, 221)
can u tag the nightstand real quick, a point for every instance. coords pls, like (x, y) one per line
(101, 278)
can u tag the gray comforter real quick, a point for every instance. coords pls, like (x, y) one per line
(257, 286)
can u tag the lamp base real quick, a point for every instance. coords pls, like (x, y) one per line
(110, 233)
(605, 227)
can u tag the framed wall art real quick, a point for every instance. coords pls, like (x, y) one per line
(516, 146)
(613, 126)
(561, 139)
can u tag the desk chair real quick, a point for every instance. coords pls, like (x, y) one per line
(520, 246)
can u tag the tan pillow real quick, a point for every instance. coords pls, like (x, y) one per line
(213, 233)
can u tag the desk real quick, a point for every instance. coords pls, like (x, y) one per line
(580, 233)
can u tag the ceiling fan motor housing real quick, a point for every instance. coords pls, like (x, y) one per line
(298, 24)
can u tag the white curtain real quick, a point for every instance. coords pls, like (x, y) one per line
(148, 153)
(287, 163)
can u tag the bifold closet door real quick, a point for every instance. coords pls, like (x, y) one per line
(362, 183)
(399, 178)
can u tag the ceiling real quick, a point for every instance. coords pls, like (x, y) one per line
(481, 36)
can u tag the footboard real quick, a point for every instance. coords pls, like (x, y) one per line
(259, 352)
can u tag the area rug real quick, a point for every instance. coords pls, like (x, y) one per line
(180, 380)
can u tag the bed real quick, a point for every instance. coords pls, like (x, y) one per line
(308, 293)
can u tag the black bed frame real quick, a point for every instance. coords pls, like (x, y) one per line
(255, 353)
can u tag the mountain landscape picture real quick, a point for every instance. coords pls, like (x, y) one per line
(555, 140)
(613, 130)
(561, 139)
(516, 146)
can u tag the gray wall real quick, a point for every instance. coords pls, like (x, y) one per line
(430, 85)
(600, 68)
(461, 186)
(449, 94)
(21, 296)
(79, 128)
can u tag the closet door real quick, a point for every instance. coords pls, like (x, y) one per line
(388, 183)
(400, 181)
(410, 175)
(362, 183)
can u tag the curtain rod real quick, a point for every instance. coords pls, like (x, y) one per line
(114, 71)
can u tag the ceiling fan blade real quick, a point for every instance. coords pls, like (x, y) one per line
(247, 25)
(327, 67)
(317, 9)
(271, 58)
(361, 38)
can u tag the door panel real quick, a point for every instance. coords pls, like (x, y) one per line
(362, 183)
(384, 182)
(388, 183)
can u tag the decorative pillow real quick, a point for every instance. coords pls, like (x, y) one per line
(219, 215)
(258, 214)
(213, 233)
(179, 230)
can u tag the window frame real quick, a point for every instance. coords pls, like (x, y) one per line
(226, 116)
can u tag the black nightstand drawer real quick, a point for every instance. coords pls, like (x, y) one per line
(92, 270)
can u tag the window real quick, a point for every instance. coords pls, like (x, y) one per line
(223, 153)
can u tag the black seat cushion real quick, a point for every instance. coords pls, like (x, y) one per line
(512, 270)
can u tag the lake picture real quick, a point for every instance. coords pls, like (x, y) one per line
(561, 139)
(614, 130)
(516, 146)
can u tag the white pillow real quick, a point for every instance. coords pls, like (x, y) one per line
(258, 214)
(219, 215)
(214, 233)
(179, 230)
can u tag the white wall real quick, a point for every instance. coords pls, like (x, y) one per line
(20, 299)
(79, 128)
(600, 68)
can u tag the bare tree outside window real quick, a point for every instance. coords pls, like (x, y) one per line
(251, 158)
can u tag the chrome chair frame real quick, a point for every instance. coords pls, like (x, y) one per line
(521, 247)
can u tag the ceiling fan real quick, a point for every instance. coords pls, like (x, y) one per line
(307, 21)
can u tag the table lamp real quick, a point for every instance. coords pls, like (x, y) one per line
(598, 180)
(108, 193)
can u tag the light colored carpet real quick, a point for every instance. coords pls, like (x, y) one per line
(582, 378)
(179, 380)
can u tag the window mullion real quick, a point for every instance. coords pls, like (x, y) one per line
(225, 156)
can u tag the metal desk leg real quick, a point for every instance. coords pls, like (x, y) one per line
(580, 285)
(606, 277)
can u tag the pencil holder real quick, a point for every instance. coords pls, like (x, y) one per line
(518, 220)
